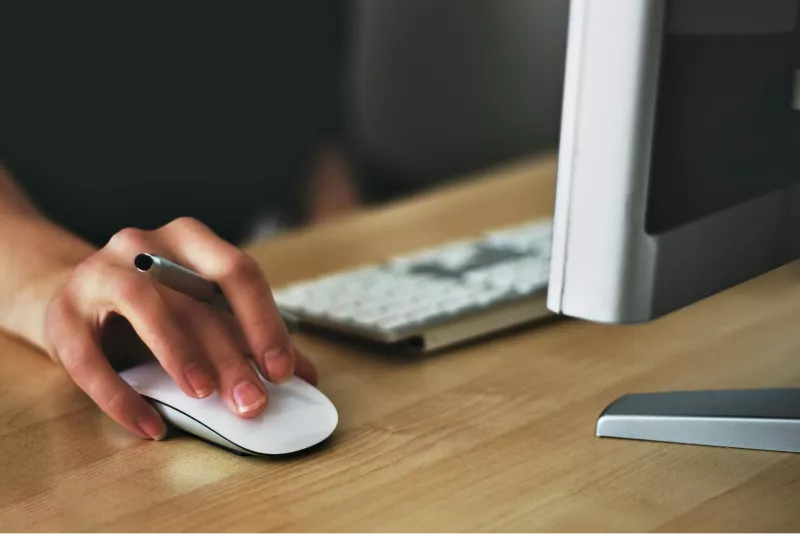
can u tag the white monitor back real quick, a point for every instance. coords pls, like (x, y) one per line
(605, 266)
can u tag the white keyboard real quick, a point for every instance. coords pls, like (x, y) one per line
(434, 297)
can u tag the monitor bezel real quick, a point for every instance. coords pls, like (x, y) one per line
(604, 265)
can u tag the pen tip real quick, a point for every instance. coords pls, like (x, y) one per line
(143, 262)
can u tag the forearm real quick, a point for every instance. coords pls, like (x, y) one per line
(36, 258)
(333, 189)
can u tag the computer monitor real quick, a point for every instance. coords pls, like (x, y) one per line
(678, 177)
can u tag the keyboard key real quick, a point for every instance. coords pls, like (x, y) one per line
(522, 239)
(490, 296)
(341, 315)
(457, 256)
(393, 321)
(523, 287)
(410, 291)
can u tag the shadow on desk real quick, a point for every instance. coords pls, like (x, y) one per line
(411, 351)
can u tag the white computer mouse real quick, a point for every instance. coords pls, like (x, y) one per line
(297, 416)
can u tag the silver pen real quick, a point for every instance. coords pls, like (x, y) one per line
(191, 284)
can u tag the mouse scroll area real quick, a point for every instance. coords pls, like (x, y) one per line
(297, 416)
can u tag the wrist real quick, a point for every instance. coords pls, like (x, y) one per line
(37, 257)
(27, 312)
(24, 305)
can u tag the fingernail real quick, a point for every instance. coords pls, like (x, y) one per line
(247, 397)
(152, 428)
(199, 380)
(279, 364)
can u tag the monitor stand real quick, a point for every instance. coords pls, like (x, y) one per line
(763, 419)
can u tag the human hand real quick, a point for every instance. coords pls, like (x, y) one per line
(201, 349)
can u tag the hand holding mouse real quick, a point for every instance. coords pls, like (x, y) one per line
(202, 350)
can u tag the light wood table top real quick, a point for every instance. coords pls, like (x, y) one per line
(497, 435)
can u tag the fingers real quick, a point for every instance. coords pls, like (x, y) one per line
(104, 287)
(303, 367)
(245, 288)
(239, 385)
(78, 348)
(190, 341)
(125, 245)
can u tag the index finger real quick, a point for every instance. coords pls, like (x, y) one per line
(245, 287)
(79, 350)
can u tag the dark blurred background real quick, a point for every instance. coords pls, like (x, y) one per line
(437, 89)
(256, 117)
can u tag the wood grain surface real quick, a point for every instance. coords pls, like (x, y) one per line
(492, 436)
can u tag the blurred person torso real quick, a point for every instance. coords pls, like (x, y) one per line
(131, 114)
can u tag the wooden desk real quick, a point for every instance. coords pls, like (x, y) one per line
(495, 436)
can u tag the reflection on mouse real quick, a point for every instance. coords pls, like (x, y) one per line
(298, 415)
